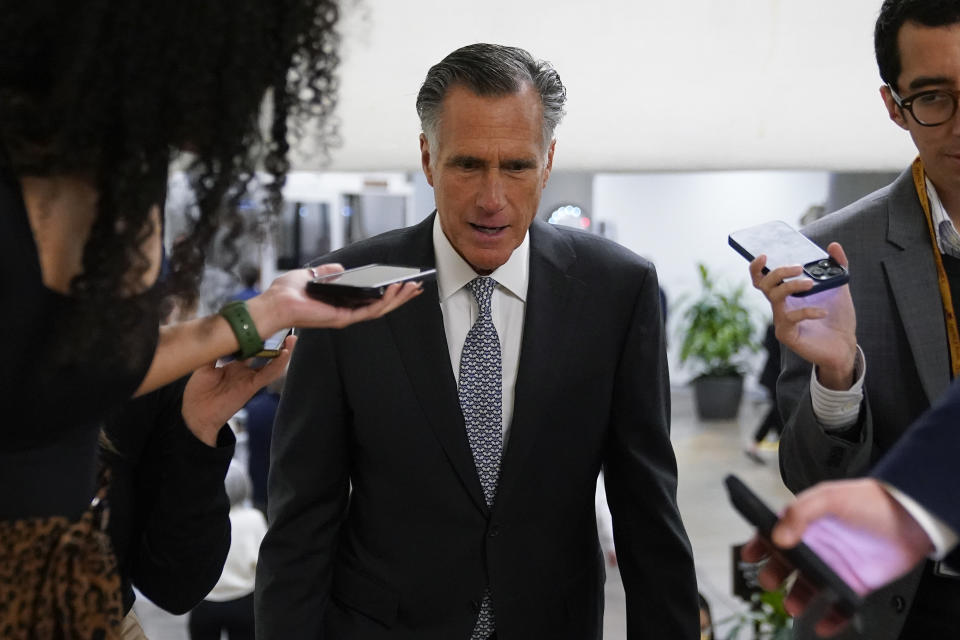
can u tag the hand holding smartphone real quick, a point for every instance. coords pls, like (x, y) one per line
(814, 569)
(785, 246)
(363, 285)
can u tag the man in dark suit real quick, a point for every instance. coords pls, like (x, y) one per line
(433, 473)
(909, 502)
(863, 362)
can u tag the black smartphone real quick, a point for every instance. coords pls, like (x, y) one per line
(785, 246)
(361, 286)
(752, 508)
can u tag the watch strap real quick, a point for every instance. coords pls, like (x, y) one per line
(237, 314)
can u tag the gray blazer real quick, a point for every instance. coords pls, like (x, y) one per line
(901, 331)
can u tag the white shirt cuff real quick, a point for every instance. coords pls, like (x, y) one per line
(839, 409)
(944, 538)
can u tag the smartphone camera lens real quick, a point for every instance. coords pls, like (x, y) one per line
(834, 271)
(818, 272)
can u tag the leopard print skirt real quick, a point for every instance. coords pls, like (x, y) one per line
(58, 579)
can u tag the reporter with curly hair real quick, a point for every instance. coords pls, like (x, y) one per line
(96, 100)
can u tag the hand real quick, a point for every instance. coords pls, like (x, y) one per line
(286, 303)
(857, 528)
(820, 328)
(213, 394)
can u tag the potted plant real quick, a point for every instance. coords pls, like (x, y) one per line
(717, 334)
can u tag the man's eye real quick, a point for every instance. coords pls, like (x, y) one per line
(933, 99)
(468, 164)
(516, 166)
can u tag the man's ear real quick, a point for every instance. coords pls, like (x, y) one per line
(896, 113)
(425, 158)
(547, 169)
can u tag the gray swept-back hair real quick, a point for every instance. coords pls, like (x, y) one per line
(491, 70)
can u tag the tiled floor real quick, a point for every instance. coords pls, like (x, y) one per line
(706, 452)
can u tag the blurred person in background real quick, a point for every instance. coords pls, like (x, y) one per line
(250, 278)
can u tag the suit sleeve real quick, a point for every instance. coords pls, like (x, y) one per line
(924, 465)
(308, 490)
(809, 453)
(640, 471)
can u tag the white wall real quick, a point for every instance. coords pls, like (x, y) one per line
(679, 219)
(699, 84)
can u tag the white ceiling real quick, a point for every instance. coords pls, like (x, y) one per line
(698, 84)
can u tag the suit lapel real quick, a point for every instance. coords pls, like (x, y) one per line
(913, 284)
(551, 296)
(420, 338)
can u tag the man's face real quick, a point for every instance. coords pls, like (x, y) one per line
(487, 169)
(930, 59)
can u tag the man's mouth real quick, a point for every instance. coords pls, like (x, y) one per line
(488, 230)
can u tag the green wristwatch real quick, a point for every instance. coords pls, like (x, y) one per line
(238, 316)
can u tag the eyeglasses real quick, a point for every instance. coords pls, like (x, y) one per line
(928, 108)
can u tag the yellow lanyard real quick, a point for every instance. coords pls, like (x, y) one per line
(953, 334)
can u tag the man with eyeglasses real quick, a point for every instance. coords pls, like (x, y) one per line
(865, 360)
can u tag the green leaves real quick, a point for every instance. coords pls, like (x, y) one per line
(718, 329)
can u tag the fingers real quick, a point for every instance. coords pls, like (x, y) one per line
(838, 498)
(276, 367)
(756, 550)
(837, 253)
(775, 568)
(774, 572)
(801, 595)
(325, 269)
(810, 505)
(756, 269)
(794, 316)
(396, 295)
(776, 287)
(831, 623)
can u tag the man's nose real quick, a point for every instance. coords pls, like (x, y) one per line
(492, 196)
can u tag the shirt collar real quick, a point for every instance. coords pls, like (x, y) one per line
(453, 272)
(939, 215)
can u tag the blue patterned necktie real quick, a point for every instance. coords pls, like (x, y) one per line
(481, 400)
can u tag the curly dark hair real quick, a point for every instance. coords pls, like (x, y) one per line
(113, 91)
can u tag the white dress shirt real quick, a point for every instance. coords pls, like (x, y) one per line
(507, 306)
(840, 409)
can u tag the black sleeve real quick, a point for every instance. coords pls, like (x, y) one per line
(175, 521)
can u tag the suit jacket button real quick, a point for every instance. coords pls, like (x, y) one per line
(898, 603)
(494, 531)
(475, 605)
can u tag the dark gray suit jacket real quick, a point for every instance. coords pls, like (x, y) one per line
(409, 551)
(900, 327)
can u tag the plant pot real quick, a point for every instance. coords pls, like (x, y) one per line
(717, 397)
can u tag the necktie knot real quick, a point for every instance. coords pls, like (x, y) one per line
(482, 288)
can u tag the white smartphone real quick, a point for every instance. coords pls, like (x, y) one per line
(785, 246)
